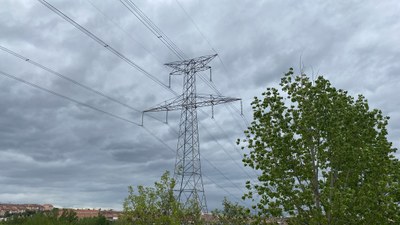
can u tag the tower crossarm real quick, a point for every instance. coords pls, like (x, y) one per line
(195, 65)
(202, 100)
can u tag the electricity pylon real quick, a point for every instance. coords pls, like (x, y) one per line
(187, 172)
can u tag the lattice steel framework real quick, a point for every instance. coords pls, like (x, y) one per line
(187, 172)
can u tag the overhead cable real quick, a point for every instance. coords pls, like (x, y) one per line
(148, 23)
(67, 98)
(28, 60)
(105, 45)
(218, 56)
(104, 112)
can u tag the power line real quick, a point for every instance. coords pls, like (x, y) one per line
(66, 78)
(132, 7)
(122, 29)
(28, 60)
(202, 34)
(104, 112)
(146, 21)
(226, 70)
(223, 148)
(117, 53)
(155, 29)
(105, 45)
(218, 56)
(205, 159)
(208, 161)
(187, 171)
(194, 23)
(67, 98)
(135, 10)
(151, 26)
(228, 192)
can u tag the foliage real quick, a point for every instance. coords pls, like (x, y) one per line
(324, 156)
(100, 220)
(52, 218)
(68, 215)
(151, 205)
(157, 205)
(232, 214)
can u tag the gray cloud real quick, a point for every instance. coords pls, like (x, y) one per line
(51, 148)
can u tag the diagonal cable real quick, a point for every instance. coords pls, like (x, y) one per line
(141, 16)
(109, 114)
(101, 42)
(105, 45)
(25, 59)
(218, 56)
(66, 97)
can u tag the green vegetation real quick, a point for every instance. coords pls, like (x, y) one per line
(157, 205)
(150, 205)
(68, 217)
(324, 156)
(232, 214)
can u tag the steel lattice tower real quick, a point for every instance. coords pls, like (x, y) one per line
(187, 172)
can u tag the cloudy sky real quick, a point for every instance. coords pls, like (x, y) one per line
(53, 150)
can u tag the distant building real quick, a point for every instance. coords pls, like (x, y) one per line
(111, 214)
(22, 208)
(12, 209)
(48, 207)
(86, 213)
(89, 213)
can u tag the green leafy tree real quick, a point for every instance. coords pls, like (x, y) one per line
(324, 156)
(232, 214)
(157, 205)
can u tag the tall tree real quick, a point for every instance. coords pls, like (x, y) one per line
(324, 156)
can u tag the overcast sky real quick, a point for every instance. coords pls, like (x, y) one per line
(55, 151)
